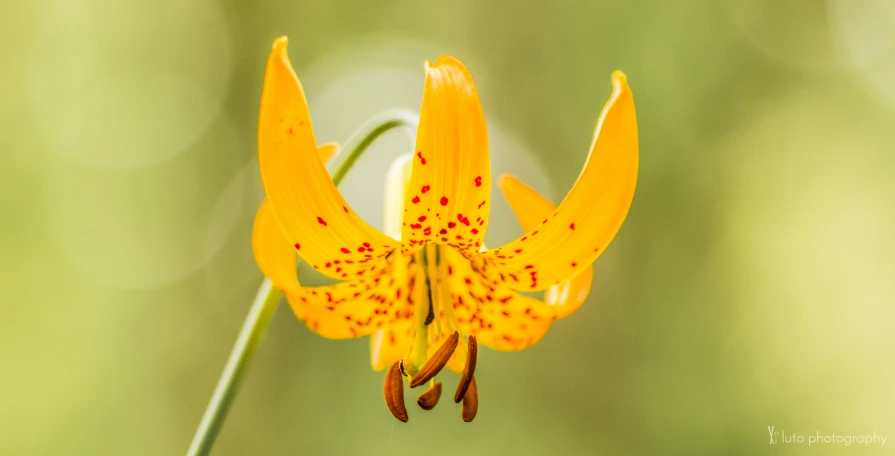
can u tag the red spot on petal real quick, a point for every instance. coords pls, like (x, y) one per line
(425, 189)
(297, 246)
(422, 218)
(338, 269)
(416, 199)
(328, 264)
(459, 237)
(463, 219)
(427, 231)
(482, 204)
(529, 266)
(443, 231)
(506, 300)
(366, 244)
(572, 226)
(336, 262)
(478, 181)
(444, 201)
(416, 226)
(474, 231)
(321, 221)
(422, 159)
(518, 250)
(344, 250)
(574, 264)
(361, 249)
(451, 224)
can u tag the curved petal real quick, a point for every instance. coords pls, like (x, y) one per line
(530, 208)
(274, 254)
(499, 317)
(579, 230)
(358, 308)
(307, 204)
(448, 199)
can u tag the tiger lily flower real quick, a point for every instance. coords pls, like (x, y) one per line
(427, 291)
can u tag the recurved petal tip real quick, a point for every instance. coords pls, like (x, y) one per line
(619, 81)
(505, 181)
(281, 43)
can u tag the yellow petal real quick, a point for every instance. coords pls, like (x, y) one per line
(530, 208)
(357, 308)
(396, 182)
(448, 199)
(499, 317)
(327, 151)
(274, 254)
(307, 204)
(389, 344)
(585, 222)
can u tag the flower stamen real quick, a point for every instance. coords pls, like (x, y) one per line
(466, 378)
(438, 360)
(429, 399)
(394, 393)
(471, 402)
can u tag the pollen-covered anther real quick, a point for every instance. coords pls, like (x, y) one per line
(468, 370)
(394, 393)
(429, 399)
(471, 402)
(438, 360)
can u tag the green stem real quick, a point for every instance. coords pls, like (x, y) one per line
(268, 298)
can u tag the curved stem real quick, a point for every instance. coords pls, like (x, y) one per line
(268, 298)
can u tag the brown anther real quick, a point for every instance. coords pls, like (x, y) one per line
(434, 365)
(394, 393)
(429, 399)
(468, 370)
(471, 402)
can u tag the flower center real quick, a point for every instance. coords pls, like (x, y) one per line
(435, 327)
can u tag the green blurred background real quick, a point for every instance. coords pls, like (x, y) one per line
(751, 286)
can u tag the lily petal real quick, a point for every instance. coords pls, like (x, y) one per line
(274, 254)
(499, 317)
(389, 344)
(448, 199)
(574, 235)
(311, 211)
(358, 308)
(530, 208)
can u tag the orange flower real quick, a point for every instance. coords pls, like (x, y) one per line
(428, 285)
